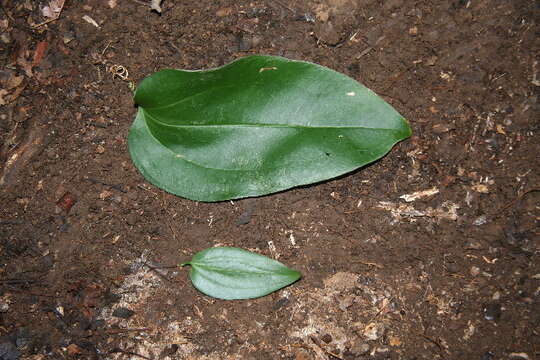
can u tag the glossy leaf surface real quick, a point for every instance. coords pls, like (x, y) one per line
(258, 125)
(233, 273)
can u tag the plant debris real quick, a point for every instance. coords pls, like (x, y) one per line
(156, 5)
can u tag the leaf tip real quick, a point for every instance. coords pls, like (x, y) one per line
(409, 128)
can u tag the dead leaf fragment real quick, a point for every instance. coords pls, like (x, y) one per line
(73, 349)
(23, 201)
(519, 356)
(105, 194)
(39, 53)
(224, 12)
(431, 60)
(469, 331)
(156, 5)
(373, 331)
(53, 10)
(394, 341)
(25, 64)
(13, 82)
(22, 155)
(419, 194)
(301, 354)
(447, 76)
(341, 281)
(535, 80)
(3, 93)
(480, 188)
(442, 128)
(16, 93)
(66, 202)
(322, 13)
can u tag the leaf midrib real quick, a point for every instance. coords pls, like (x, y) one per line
(240, 272)
(263, 125)
(182, 158)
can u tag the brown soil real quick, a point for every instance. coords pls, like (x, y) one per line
(452, 275)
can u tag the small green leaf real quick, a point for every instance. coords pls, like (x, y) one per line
(233, 273)
(258, 125)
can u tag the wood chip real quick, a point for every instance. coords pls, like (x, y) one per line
(89, 20)
(419, 194)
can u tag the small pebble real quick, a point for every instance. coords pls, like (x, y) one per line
(492, 311)
(431, 60)
(96, 324)
(169, 351)
(68, 37)
(245, 42)
(23, 337)
(4, 306)
(452, 268)
(123, 313)
(131, 219)
(307, 17)
(473, 245)
(280, 303)
(488, 356)
(6, 38)
(327, 338)
(373, 331)
(481, 220)
(359, 348)
(9, 351)
(256, 40)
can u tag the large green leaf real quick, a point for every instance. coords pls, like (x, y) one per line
(258, 125)
(233, 273)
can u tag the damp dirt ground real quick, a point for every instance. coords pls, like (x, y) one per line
(86, 243)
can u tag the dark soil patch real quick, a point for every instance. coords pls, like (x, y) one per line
(82, 234)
